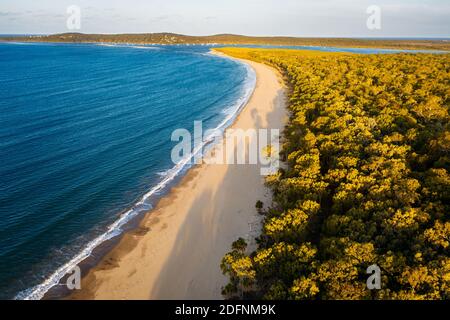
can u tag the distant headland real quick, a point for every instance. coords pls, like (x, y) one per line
(172, 38)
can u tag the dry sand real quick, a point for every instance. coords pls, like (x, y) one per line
(176, 251)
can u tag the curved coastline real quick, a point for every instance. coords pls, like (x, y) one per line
(176, 250)
(143, 206)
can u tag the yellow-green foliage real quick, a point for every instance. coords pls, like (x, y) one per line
(368, 154)
(267, 55)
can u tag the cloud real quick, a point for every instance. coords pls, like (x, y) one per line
(9, 14)
(160, 18)
(256, 17)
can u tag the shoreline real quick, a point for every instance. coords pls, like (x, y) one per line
(129, 220)
(326, 48)
(175, 251)
(394, 43)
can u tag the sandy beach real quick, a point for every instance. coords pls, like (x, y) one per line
(176, 251)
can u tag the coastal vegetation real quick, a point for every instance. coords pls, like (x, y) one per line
(367, 152)
(172, 38)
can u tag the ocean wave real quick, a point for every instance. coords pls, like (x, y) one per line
(128, 46)
(143, 205)
(20, 43)
(146, 47)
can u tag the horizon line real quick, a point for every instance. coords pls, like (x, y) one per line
(234, 34)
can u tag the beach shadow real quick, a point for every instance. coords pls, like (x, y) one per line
(216, 219)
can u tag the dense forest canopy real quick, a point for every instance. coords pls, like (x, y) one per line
(367, 181)
(172, 38)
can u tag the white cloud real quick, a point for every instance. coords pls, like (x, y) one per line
(253, 17)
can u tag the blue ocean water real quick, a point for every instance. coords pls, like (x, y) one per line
(85, 142)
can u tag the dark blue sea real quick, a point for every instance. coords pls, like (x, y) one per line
(85, 144)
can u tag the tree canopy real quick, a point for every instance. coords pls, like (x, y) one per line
(367, 180)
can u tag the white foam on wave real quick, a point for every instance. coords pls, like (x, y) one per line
(145, 47)
(115, 229)
(20, 43)
(128, 46)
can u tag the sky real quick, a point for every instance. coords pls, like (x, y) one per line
(308, 18)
